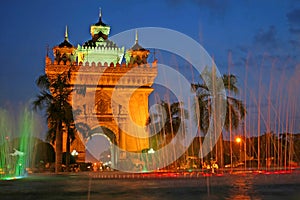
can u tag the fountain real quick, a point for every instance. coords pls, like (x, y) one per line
(267, 138)
(16, 143)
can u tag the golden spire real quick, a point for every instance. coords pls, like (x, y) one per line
(66, 34)
(136, 36)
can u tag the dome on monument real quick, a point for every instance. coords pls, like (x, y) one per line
(137, 47)
(100, 22)
(65, 43)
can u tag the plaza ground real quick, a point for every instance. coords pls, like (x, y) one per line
(117, 185)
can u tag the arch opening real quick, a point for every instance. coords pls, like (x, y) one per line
(99, 149)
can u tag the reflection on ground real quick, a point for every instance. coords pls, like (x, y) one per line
(116, 185)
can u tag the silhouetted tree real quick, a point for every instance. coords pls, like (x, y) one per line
(235, 109)
(55, 98)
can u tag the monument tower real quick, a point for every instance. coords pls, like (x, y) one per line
(97, 68)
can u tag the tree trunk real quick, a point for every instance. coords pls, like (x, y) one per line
(58, 149)
(220, 151)
(68, 147)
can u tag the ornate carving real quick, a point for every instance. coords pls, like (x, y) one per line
(102, 107)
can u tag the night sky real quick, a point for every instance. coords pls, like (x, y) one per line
(259, 41)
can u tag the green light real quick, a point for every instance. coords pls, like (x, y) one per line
(16, 144)
(8, 178)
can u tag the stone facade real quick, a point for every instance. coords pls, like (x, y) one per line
(109, 95)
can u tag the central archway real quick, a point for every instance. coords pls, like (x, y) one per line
(99, 146)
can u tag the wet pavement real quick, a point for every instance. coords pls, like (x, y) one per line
(115, 185)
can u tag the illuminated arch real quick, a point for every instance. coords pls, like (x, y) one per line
(110, 136)
(104, 131)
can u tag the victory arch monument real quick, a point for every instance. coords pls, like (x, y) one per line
(97, 68)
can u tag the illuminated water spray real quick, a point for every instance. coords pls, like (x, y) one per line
(16, 143)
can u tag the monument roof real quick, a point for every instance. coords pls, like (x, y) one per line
(66, 42)
(105, 43)
(136, 46)
(100, 22)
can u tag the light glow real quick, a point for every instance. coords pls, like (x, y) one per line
(238, 139)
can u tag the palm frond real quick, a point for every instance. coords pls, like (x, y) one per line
(43, 82)
(235, 107)
(42, 100)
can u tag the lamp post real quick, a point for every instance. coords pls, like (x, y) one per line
(74, 153)
(239, 141)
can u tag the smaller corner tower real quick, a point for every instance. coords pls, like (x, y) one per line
(137, 54)
(65, 52)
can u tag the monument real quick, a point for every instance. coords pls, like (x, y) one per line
(97, 67)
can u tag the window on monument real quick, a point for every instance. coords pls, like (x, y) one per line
(57, 56)
(138, 60)
(64, 58)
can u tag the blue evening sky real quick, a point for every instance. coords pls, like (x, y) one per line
(259, 41)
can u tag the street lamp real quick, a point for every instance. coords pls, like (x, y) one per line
(151, 151)
(239, 141)
(74, 153)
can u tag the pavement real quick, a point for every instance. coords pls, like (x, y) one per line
(152, 186)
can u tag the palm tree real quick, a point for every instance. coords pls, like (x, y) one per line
(235, 109)
(173, 114)
(55, 97)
